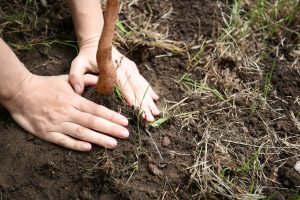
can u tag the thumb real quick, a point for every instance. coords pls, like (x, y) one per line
(76, 76)
(90, 80)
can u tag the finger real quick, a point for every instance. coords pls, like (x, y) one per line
(90, 107)
(145, 107)
(152, 106)
(148, 115)
(141, 94)
(76, 76)
(126, 88)
(151, 91)
(153, 94)
(67, 142)
(90, 80)
(88, 135)
(99, 124)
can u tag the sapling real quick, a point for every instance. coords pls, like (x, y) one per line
(107, 71)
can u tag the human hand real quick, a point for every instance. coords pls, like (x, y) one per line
(48, 108)
(135, 89)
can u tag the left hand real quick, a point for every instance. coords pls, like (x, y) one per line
(136, 90)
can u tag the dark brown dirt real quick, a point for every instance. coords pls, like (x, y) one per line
(35, 169)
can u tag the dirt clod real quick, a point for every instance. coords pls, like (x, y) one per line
(166, 141)
(153, 166)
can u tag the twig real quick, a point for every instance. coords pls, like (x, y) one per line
(154, 144)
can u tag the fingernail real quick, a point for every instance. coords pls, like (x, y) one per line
(150, 118)
(155, 111)
(86, 146)
(124, 133)
(77, 88)
(111, 143)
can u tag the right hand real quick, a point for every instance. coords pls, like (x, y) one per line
(48, 108)
(135, 88)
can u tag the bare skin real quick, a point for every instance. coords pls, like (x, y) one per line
(88, 21)
(59, 114)
(56, 114)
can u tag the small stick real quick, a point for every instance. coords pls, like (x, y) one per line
(154, 145)
(107, 71)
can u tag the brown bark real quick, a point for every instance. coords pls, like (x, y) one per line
(107, 71)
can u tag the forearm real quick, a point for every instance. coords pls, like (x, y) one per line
(12, 73)
(88, 20)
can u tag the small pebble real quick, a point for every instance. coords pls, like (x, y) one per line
(297, 166)
(245, 130)
(166, 141)
(155, 170)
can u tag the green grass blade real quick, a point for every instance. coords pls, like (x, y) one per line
(159, 122)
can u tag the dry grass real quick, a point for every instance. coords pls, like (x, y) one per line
(229, 160)
(140, 28)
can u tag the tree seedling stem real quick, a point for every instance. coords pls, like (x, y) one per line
(107, 71)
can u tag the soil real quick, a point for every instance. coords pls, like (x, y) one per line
(34, 169)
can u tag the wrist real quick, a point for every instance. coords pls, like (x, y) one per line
(11, 85)
(89, 42)
(87, 18)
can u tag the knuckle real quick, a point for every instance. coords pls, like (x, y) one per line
(79, 132)
(146, 108)
(63, 142)
(77, 146)
(99, 109)
(111, 117)
(72, 77)
(60, 98)
(41, 129)
(77, 102)
(91, 121)
(55, 116)
(114, 129)
(93, 106)
(65, 111)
